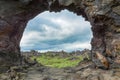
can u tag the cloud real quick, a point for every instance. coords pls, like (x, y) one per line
(54, 31)
(74, 46)
(68, 47)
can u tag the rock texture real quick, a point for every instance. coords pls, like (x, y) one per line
(104, 16)
(80, 72)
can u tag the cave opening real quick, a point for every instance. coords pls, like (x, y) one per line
(50, 31)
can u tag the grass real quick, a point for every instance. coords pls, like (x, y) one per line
(57, 62)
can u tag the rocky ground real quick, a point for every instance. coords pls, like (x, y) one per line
(83, 71)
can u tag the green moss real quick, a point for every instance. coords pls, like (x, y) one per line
(57, 62)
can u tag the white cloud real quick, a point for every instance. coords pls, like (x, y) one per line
(70, 47)
(50, 33)
(65, 28)
(76, 45)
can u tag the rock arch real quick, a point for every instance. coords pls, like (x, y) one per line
(104, 16)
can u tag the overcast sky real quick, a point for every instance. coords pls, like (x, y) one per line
(57, 31)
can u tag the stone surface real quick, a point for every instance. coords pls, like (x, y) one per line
(80, 72)
(117, 10)
(104, 16)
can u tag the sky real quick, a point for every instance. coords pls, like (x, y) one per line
(50, 31)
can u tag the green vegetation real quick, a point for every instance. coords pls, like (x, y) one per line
(57, 61)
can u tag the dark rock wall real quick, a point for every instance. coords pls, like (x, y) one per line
(104, 16)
